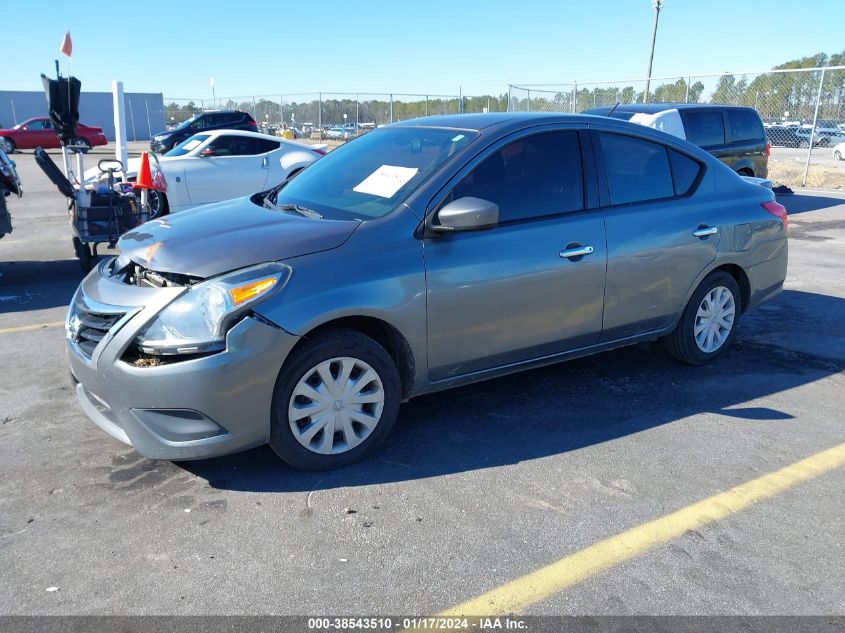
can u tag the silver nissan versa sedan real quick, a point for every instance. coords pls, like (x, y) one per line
(418, 257)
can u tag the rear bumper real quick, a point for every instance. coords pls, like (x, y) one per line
(190, 409)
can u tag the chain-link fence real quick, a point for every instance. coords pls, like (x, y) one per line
(316, 113)
(803, 111)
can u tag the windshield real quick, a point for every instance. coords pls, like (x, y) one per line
(373, 174)
(187, 145)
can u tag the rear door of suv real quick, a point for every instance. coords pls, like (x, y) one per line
(746, 137)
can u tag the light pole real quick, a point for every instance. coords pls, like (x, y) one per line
(657, 5)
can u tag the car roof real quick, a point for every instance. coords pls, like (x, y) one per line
(652, 108)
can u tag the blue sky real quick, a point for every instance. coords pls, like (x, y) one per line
(274, 47)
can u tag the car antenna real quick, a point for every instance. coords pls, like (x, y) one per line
(613, 109)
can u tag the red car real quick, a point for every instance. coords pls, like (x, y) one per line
(39, 132)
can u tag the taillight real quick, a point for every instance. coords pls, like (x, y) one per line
(768, 150)
(252, 124)
(777, 210)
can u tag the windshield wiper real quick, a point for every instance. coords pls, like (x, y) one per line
(295, 208)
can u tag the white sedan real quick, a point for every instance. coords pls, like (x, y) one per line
(219, 165)
(839, 152)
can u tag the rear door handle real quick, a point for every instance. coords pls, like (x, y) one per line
(704, 231)
(578, 251)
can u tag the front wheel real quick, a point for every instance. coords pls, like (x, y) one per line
(709, 321)
(336, 399)
(837, 155)
(7, 145)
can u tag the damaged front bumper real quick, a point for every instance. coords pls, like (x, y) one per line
(173, 408)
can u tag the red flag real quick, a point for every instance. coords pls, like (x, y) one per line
(67, 45)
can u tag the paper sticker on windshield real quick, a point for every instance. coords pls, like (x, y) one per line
(189, 145)
(457, 138)
(386, 181)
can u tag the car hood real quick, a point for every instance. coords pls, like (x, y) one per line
(217, 238)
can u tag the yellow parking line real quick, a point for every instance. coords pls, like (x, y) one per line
(29, 328)
(517, 595)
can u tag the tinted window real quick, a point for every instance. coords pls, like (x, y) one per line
(704, 128)
(534, 176)
(637, 170)
(684, 171)
(744, 125)
(241, 146)
(375, 173)
(38, 124)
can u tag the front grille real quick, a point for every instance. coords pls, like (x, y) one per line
(89, 324)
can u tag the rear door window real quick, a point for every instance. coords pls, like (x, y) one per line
(744, 125)
(535, 176)
(637, 170)
(704, 128)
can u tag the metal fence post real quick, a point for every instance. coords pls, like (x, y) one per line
(813, 131)
(426, 105)
(686, 98)
(357, 121)
(510, 89)
(391, 108)
(320, 111)
(282, 111)
(528, 100)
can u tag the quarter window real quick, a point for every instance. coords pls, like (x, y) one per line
(684, 172)
(704, 129)
(637, 170)
(536, 176)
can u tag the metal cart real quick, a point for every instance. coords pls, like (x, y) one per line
(98, 216)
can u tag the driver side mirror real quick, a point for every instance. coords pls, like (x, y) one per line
(465, 214)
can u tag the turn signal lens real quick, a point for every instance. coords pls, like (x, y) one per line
(777, 210)
(249, 291)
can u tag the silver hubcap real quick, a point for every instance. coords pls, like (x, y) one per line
(5, 145)
(714, 319)
(336, 405)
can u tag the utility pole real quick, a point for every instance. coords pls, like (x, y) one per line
(657, 5)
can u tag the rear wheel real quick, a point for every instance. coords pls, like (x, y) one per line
(837, 155)
(81, 144)
(158, 204)
(7, 144)
(709, 321)
(336, 399)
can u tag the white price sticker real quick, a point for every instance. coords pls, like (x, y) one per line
(386, 181)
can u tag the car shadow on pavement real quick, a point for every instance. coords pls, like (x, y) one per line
(37, 285)
(798, 203)
(571, 405)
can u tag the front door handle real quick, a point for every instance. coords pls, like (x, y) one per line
(577, 251)
(704, 231)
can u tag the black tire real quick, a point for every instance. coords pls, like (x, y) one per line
(160, 208)
(7, 144)
(681, 343)
(340, 342)
(82, 145)
(83, 252)
(837, 155)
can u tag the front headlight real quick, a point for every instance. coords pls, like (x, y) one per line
(198, 320)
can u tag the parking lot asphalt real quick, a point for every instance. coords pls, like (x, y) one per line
(475, 488)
